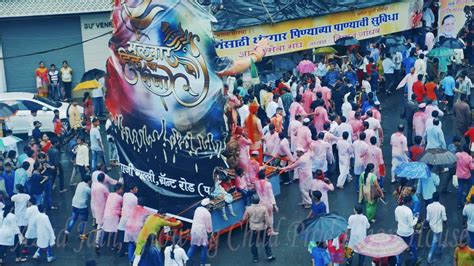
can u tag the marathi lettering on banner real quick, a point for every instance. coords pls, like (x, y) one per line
(166, 100)
(302, 34)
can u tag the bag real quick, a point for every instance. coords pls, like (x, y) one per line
(455, 181)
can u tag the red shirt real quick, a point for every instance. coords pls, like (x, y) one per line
(415, 152)
(431, 90)
(419, 91)
(470, 133)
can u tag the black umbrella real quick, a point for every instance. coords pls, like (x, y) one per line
(347, 41)
(322, 228)
(451, 43)
(393, 48)
(91, 74)
(392, 40)
(437, 157)
(7, 110)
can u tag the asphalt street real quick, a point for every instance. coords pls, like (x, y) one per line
(287, 247)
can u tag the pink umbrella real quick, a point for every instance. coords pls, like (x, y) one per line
(306, 66)
(381, 246)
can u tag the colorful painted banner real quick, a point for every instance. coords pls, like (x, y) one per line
(166, 100)
(295, 35)
(451, 17)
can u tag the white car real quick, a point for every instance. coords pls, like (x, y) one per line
(26, 102)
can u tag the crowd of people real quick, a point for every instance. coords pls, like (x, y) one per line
(327, 124)
(321, 130)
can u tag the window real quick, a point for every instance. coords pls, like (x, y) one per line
(16, 104)
(32, 105)
(48, 101)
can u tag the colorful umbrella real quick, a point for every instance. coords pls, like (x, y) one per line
(381, 246)
(413, 170)
(440, 52)
(325, 50)
(87, 85)
(7, 110)
(322, 228)
(437, 157)
(451, 43)
(347, 41)
(306, 66)
(8, 141)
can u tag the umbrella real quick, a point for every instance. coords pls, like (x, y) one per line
(451, 43)
(440, 52)
(322, 228)
(381, 246)
(393, 48)
(91, 74)
(7, 110)
(8, 141)
(437, 157)
(325, 50)
(86, 85)
(347, 41)
(413, 170)
(306, 66)
(392, 40)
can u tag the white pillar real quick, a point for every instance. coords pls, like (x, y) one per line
(3, 80)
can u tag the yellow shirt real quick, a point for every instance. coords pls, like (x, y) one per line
(74, 117)
(470, 194)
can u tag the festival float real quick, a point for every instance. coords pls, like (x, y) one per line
(164, 83)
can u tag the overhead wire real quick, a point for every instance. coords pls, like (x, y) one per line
(56, 49)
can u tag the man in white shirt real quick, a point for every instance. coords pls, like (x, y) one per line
(175, 255)
(21, 201)
(272, 106)
(420, 66)
(357, 226)
(98, 96)
(436, 216)
(405, 228)
(79, 207)
(244, 111)
(468, 211)
(97, 147)
(399, 149)
(388, 72)
(343, 127)
(81, 161)
(366, 84)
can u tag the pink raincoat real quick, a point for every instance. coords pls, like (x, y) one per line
(112, 211)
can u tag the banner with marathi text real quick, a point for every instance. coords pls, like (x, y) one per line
(451, 17)
(302, 34)
(166, 100)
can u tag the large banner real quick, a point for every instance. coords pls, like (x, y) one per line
(166, 100)
(302, 34)
(451, 17)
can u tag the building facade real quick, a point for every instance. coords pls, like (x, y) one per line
(51, 31)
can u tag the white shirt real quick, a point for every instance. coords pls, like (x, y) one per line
(243, 113)
(420, 67)
(21, 202)
(436, 215)
(82, 155)
(469, 212)
(346, 108)
(180, 257)
(366, 86)
(8, 230)
(271, 109)
(388, 66)
(31, 215)
(108, 124)
(96, 139)
(341, 128)
(374, 124)
(406, 221)
(358, 224)
(98, 92)
(81, 196)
